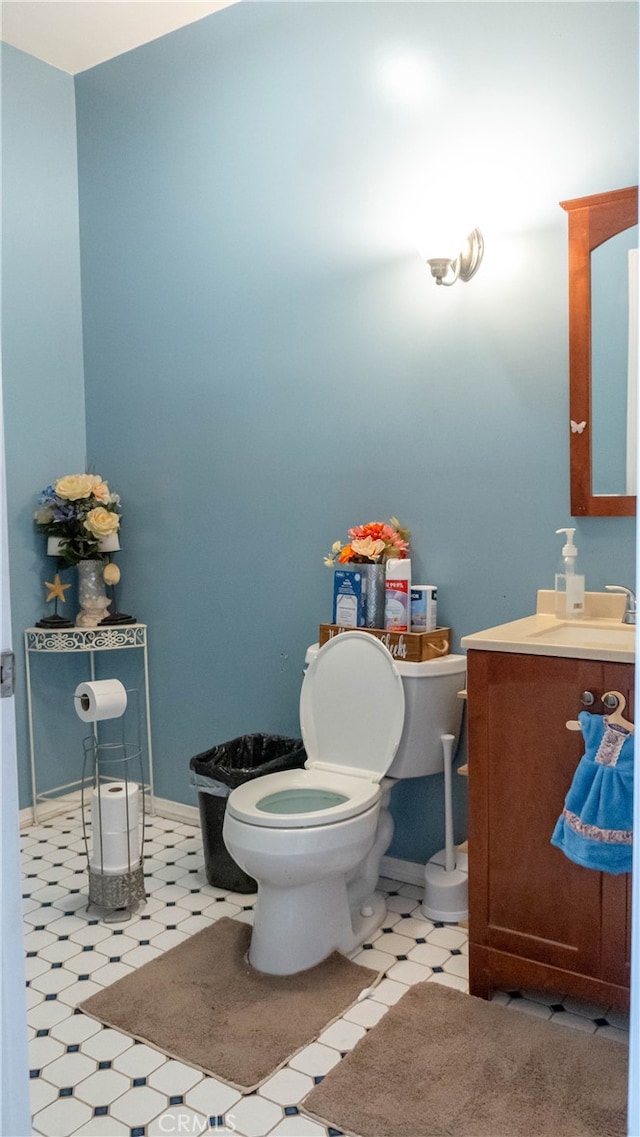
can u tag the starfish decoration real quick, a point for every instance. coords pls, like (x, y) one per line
(57, 588)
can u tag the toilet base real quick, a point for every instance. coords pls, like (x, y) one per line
(446, 893)
(282, 943)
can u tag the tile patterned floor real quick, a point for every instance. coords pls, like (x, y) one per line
(92, 1080)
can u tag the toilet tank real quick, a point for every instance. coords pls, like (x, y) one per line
(432, 708)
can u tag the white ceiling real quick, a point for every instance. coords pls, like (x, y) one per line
(78, 34)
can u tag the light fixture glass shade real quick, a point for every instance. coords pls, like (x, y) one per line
(444, 228)
(462, 266)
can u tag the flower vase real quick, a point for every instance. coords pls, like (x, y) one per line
(91, 594)
(373, 576)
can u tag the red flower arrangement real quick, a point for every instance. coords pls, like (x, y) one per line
(371, 543)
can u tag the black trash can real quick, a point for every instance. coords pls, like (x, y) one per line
(215, 773)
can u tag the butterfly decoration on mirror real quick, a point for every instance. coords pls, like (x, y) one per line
(577, 427)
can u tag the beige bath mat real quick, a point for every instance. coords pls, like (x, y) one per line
(444, 1064)
(203, 1003)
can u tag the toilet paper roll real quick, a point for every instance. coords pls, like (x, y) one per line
(118, 852)
(102, 699)
(115, 827)
(114, 807)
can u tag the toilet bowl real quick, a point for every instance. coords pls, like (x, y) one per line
(314, 838)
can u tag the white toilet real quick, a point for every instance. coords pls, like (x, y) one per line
(314, 838)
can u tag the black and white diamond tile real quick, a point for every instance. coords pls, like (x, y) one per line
(91, 1080)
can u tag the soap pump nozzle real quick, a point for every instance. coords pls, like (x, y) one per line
(568, 550)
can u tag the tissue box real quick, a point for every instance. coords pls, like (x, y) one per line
(348, 597)
(410, 647)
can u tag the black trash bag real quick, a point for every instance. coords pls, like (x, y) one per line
(215, 773)
(247, 757)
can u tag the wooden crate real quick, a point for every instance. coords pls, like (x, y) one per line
(409, 647)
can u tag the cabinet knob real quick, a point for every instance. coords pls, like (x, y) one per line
(610, 701)
(587, 698)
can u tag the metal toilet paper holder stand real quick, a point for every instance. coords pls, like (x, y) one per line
(115, 761)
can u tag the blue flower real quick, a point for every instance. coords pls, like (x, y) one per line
(63, 510)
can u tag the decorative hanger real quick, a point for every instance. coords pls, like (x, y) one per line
(616, 717)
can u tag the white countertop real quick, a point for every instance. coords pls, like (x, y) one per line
(600, 635)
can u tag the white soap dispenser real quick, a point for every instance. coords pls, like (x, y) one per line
(569, 582)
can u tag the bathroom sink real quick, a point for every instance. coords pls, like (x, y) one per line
(581, 633)
(606, 639)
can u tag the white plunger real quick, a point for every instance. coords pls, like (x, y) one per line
(447, 741)
(445, 878)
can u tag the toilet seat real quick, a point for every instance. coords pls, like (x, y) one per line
(351, 718)
(309, 788)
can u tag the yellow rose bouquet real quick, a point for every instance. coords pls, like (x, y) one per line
(82, 513)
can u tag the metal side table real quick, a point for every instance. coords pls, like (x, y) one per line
(89, 640)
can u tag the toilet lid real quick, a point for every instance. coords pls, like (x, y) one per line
(352, 706)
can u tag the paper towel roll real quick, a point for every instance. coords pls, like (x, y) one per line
(114, 807)
(102, 699)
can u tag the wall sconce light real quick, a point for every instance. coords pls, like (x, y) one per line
(446, 270)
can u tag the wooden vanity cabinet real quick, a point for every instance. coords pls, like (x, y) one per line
(536, 919)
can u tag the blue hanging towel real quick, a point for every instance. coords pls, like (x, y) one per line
(595, 828)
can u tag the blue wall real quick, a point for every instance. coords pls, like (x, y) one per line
(267, 361)
(43, 382)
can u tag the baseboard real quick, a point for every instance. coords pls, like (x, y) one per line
(407, 872)
(48, 809)
(163, 807)
(177, 811)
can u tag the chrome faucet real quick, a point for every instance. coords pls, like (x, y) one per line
(630, 606)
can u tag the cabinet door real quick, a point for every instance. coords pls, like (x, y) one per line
(616, 929)
(616, 890)
(526, 898)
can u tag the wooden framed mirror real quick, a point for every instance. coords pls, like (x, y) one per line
(592, 221)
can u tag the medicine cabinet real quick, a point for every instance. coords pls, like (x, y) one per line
(598, 336)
